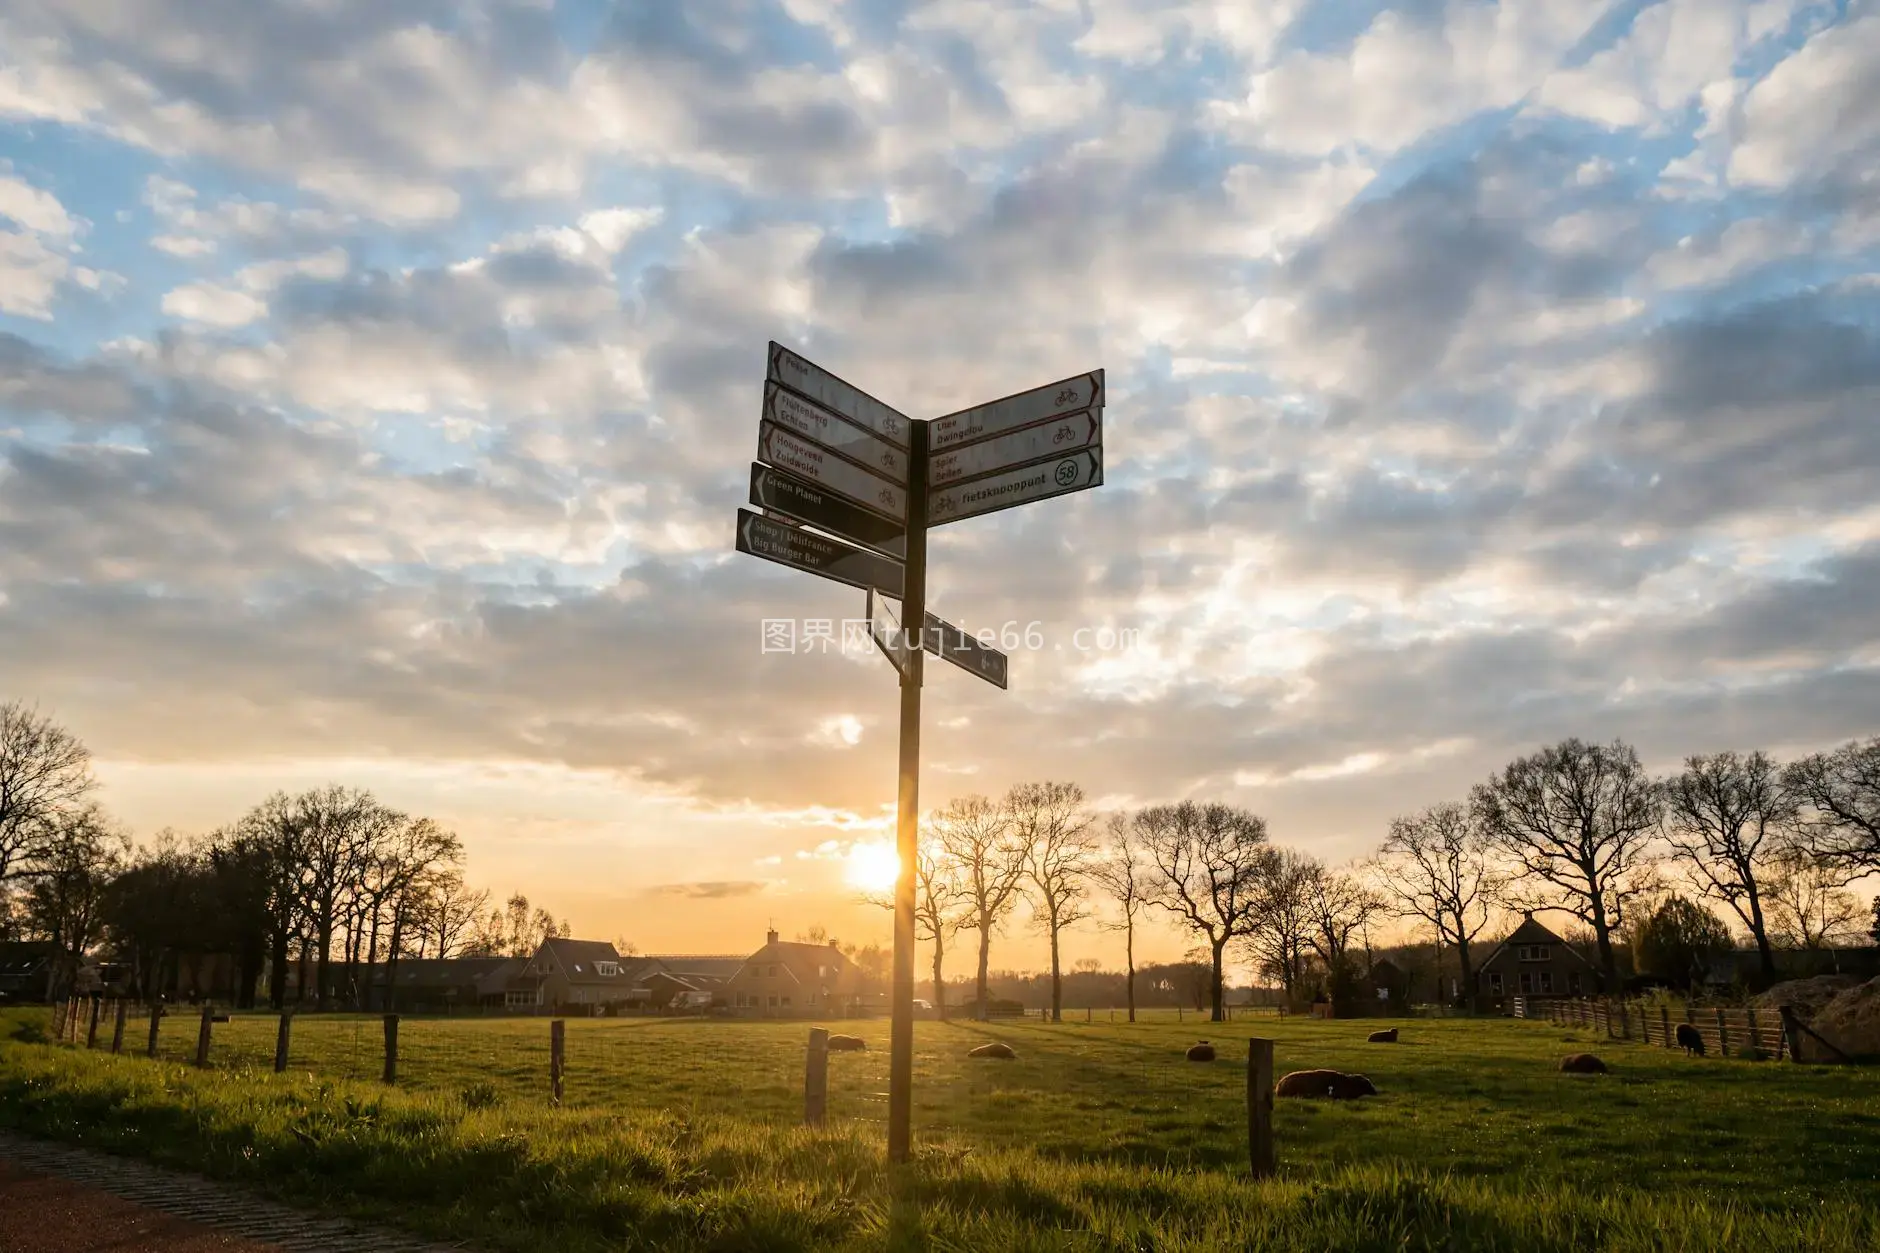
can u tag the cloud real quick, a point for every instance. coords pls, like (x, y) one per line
(711, 890)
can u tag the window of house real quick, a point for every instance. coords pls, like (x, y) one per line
(786, 1002)
(577, 967)
(1547, 981)
(773, 1001)
(1494, 982)
(1573, 982)
(773, 970)
(607, 970)
(1527, 982)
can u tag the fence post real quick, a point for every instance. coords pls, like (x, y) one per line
(71, 1020)
(1664, 1023)
(816, 1078)
(117, 1026)
(557, 1056)
(1791, 1033)
(202, 1035)
(91, 1029)
(391, 1048)
(283, 1038)
(1723, 1033)
(1260, 1107)
(1755, 1036)
(58, 1020)
(156, 1021)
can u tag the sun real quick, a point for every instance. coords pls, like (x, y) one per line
(873, 867)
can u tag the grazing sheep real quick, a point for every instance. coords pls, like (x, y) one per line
(1331, 1084)
(1582, 1064)
(847, 1044)
(1383, 1037)
(995, 1049)
(1691, 1040)
(1202, 1052)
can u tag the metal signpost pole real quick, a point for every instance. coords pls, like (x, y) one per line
(907, 816)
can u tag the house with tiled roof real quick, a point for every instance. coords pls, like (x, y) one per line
(1533, 962)
(787, 978)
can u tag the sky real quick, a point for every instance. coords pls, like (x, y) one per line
(379, 380)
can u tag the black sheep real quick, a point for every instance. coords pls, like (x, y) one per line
(1690, 1039)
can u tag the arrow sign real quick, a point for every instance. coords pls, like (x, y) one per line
(969, 426)
(1016, 487)
(812, 381)
(818, 465)
(834, 432)
(948, 642)
(786, 494)
(1083, 429)
(804, 550)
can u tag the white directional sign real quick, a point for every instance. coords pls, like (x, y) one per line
(834, 432)
(788, 451)
(969, 426)
(948, 642)
(1016, 487)
(1083, 429)
(836, 395)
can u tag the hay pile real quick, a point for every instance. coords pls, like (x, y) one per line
(1806, 996)
(1851, 1021)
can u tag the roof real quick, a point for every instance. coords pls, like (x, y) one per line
(795, 956)
(579, 962)
(439, 972)
(1530, 932)
(22, 957)
(717, 965)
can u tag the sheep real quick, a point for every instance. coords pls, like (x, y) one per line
(995, 1049)
(1202, 1052)
(1331, 1084)
(1691, 1040)
(1383, 1037)
(847, 1044)
(1582, 1064)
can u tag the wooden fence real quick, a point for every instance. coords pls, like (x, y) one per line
(1726, 1032)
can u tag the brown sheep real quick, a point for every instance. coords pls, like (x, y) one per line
(1691, 1040)
(847, 1044)
(995, 1049)
(1332, 1084)
(1382, 1037)
(1582, 1064)
(1202, 1052)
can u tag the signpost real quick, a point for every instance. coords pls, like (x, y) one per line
(786, 494)
(834, 458)
(805, 550)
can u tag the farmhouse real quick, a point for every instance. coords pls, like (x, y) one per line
(787, 977)
(1534, 962)
(567, 973)
(25, 968)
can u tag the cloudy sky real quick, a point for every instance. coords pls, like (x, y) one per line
(379, 378)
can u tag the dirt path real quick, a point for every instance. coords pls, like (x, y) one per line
(56, 1199)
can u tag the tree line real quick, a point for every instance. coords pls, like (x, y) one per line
(330, 878)
(1582, 828)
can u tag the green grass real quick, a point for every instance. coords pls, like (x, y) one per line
(682, 1135)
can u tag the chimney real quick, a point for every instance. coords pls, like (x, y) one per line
(770, 937)
(834, 944)
(1527, 915)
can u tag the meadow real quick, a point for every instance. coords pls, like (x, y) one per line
(685, 1134)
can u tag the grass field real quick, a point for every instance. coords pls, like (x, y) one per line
(682, 1134)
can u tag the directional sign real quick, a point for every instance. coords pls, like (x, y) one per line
(805, 550)
(948, 642)
(1016, 487)
(778, 492)
(891, 640)
(1083, 429)
(836, 395)
(787, 451)
(969, 426)
(834, 432)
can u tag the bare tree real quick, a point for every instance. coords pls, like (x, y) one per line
(1208, 860)
(1842, 790)
(449, 912)
(1578, 820)
(1283, 924)
(976, 834)
(1808, 903)
(1339, 907)
(67, 895)
(1727, 817)
(1436, 865)
(416, 851)
(1050, 821)
(938, 902)
(339, 828)
(1124, 876)
(44, 770)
